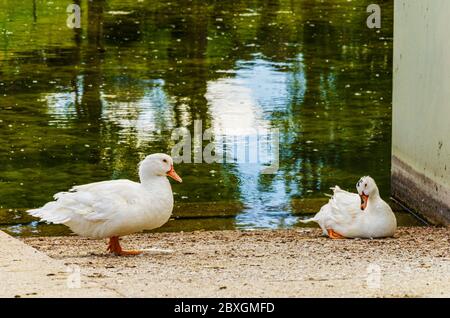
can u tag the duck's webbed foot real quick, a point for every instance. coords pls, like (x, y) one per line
(332, 234)
(114, 247)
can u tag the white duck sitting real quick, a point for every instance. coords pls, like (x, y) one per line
(110, 209)
(351, 215)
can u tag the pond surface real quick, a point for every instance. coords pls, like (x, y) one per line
(85, 105)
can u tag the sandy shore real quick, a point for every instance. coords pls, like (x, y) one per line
(282, 263)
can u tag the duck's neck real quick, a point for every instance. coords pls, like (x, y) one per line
(155, 183)
(373, 198)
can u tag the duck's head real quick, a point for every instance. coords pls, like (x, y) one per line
(157, 164)
(367, 188)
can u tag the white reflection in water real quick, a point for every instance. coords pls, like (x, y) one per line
(61, 108)
(238, 107)
(141, 119)
(151, 114)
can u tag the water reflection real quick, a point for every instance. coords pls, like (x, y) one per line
(241, 106)
(87, 104)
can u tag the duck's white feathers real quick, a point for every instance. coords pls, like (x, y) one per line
(343, 215)
(344, 206)
(341, 208)
(110, 208)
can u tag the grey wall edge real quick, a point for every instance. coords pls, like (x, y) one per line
(420, 193)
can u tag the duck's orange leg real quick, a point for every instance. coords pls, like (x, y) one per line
(114, 247)
(332, 234)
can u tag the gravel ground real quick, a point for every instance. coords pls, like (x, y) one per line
(281, 263)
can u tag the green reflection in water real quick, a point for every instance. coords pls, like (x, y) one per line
(84, 105)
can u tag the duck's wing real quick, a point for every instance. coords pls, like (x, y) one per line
(98, 201)
(344, 206)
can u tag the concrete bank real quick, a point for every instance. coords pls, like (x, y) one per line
(282, 263)
(26, 272)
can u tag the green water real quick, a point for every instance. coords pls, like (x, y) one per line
(84, 105)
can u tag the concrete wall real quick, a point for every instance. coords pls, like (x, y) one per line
(421, 107)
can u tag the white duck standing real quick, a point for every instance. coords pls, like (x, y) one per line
(110, 209)
(351, 215)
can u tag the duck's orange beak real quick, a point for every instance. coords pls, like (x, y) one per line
(174, 175)
(364, 200)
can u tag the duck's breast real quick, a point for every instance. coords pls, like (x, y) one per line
(377, 221)
(147, 211)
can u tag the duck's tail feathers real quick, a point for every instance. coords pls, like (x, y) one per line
(51, 212)
(309, 220)
(336, 188)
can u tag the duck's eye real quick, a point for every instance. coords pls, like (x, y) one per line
(165, 160)
(365, 185)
